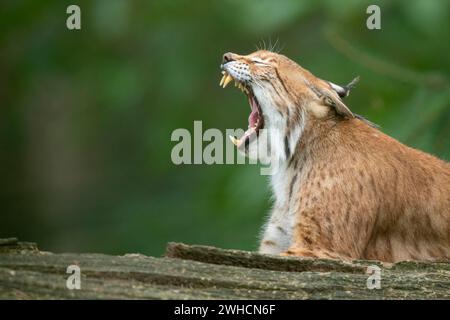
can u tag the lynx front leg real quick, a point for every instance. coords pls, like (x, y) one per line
(277, 235)
(322, 233)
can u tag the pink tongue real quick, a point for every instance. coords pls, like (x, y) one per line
(253, 117)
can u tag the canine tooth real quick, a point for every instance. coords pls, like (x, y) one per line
(235, 141)
(227, 80)
(223, 78)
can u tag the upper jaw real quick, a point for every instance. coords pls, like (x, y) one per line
(230, 73)
(227, 78)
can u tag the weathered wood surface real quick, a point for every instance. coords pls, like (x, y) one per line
(200, 272)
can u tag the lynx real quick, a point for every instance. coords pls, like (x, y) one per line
(343, 189)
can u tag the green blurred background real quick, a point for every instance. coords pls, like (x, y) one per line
(86, 116)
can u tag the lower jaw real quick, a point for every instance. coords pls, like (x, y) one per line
(249, 136)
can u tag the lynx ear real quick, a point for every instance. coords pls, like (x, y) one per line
(332, 99)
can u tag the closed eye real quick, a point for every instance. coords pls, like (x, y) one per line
(260, 62)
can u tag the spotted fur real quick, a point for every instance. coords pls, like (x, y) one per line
(342, 188)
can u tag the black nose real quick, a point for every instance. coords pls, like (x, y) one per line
(227, 57)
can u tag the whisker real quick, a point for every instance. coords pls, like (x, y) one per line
(275, 45)
(281, 48)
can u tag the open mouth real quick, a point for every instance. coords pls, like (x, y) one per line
(255, 119)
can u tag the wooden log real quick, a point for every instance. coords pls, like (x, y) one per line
(200, 272)
(260, 261)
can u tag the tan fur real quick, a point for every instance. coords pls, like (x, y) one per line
(368, 196)
(352, 191)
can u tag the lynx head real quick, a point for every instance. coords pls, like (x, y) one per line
(284, 99)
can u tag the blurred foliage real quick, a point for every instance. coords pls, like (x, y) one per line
(86, 116)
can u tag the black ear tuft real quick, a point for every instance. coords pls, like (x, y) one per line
(343, 91)
(351, 85)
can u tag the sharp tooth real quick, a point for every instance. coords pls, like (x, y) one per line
(235, 141)
(223, 78)
(227, 80)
